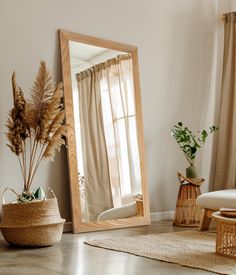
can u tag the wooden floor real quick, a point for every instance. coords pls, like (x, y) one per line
(72, 257)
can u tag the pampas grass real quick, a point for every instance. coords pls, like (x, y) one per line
(35, 126)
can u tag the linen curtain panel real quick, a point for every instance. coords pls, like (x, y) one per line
(225, 165)
(114, 91)
(95, 159)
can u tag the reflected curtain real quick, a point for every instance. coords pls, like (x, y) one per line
(225, 165)
(111, 107)
(120, 128)
(94, 150)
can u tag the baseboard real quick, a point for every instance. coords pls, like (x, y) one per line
(67, 227)
(160, 216)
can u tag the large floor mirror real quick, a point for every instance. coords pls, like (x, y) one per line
(105, 139)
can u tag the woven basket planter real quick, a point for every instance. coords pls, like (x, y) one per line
(36, 223)
(187, 213)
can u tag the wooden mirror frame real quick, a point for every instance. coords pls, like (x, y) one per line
(77, 224)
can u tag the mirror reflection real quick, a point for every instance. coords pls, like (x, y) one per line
(106, 135)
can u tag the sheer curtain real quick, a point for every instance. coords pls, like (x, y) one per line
(120, 129)
(225, 164)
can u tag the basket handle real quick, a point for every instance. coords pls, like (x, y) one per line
(5, 190)
(46, 194)
(10, 189)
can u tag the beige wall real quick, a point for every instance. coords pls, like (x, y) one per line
(178, 53)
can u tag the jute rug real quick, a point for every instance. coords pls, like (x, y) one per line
(188, 248)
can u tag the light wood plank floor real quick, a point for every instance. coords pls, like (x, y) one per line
(72, 257)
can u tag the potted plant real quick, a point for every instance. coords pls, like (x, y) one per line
(189, 144)
(35, 132)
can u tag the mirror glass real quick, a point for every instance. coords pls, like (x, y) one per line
(106, 136)
(105, 141)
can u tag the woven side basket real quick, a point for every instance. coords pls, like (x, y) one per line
(36, 223)
(35, 236)
(225, 235)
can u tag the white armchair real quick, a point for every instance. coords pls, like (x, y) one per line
(213, 201)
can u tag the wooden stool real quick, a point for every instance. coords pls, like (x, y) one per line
(187, 213)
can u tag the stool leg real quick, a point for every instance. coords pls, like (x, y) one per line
(205, 220)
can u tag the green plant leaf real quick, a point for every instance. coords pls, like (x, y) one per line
(187, 140)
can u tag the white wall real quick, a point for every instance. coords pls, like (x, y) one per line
(178, 62)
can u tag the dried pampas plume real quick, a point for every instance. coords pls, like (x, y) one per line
(36, 126)
(17, 126)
